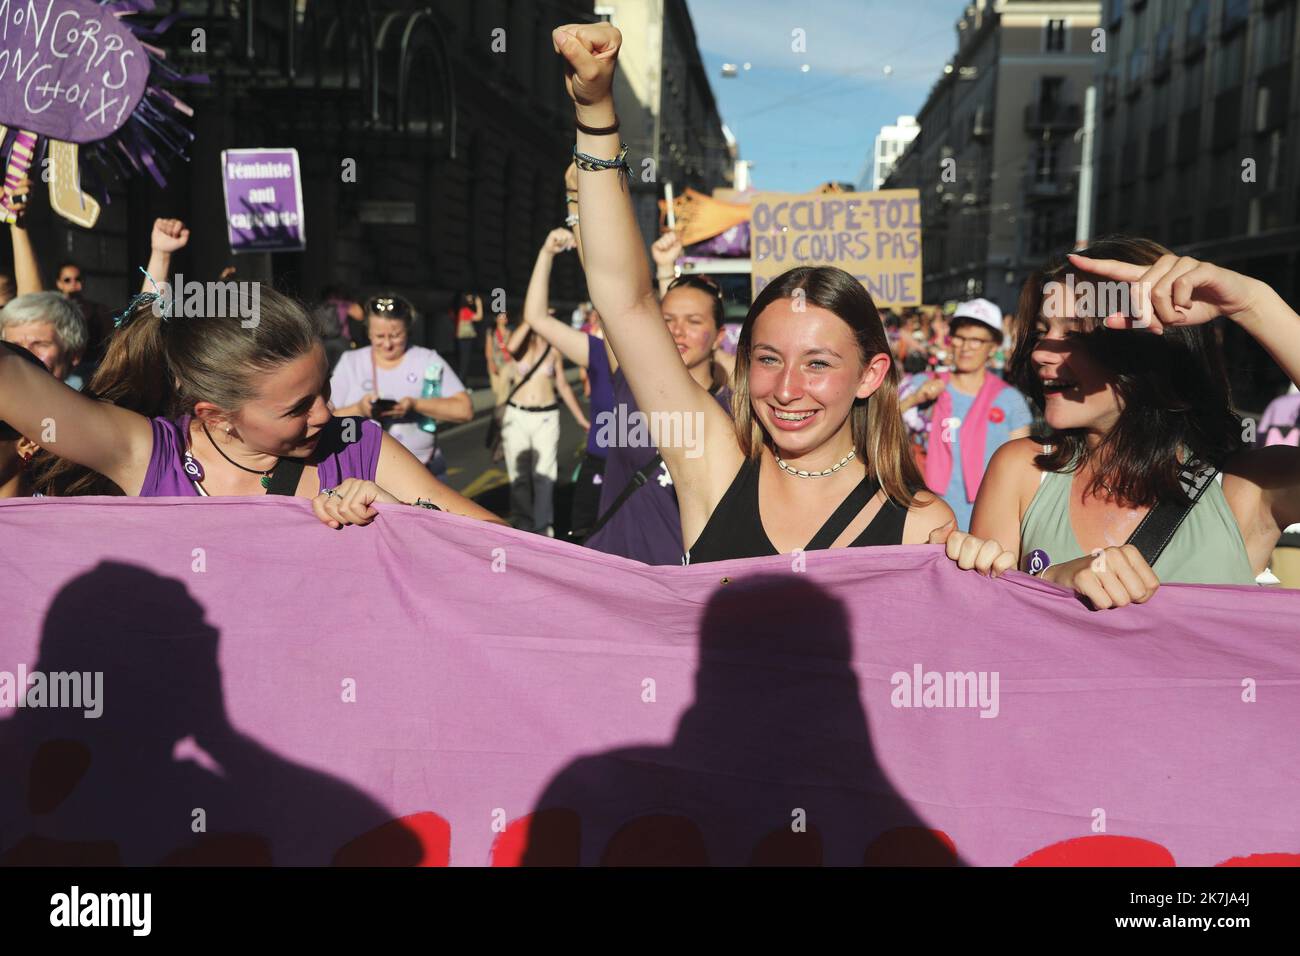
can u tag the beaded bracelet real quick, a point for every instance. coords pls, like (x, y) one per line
(593, 165)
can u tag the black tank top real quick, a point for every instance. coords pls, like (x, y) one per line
(734, 530)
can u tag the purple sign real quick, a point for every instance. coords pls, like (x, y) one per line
(263, 190)
(68, 69)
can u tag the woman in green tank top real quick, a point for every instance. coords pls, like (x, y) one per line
(1116, 344)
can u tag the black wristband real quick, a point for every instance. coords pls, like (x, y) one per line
(597, 131)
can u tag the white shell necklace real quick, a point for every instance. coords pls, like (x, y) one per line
(800, 473)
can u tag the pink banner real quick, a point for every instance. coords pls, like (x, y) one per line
(230, 681)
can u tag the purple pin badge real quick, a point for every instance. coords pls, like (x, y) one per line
(1038, 561)
(193, 470)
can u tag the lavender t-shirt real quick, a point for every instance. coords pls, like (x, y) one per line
(352, 379)
(647, 527)
(334, 458)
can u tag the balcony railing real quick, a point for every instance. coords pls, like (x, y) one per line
(1053, 117)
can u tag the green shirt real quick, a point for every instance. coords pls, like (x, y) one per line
(1207, 548)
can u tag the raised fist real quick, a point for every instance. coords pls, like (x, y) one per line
(590, 51)
(666, 250)
(169, 235)
(559, 240)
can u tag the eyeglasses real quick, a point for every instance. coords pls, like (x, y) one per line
(389, 307)
(962, 342)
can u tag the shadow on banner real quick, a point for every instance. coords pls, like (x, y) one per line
(133, 785)
(772, 764)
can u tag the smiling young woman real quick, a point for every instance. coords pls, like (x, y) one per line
(1133, 396)
(817, 456)
(206, 406)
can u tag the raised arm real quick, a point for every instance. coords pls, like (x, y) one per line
(568, 341)
(617, 271)
(27, 274)
(516, 340)
(169, 236)
(565, 391)
(103, 437)
(1184, 291)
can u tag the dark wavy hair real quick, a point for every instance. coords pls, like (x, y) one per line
(1172, 388)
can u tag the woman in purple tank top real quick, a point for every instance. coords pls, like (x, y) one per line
(194, 406)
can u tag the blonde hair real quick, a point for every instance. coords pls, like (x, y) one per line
(876, 423)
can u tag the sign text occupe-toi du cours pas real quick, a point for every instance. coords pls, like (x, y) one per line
(875, 237)
(264, 211)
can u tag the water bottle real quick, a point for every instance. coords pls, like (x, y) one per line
(432, 389)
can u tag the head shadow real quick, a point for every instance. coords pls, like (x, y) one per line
(772, 763)
(161, 776)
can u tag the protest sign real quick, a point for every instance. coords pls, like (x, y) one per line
(876, 237)
(76, 81)
(263, 190)
(69, 69)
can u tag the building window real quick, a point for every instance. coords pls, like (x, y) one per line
(1045, 161)
(1276, 36)
(1229, 65)
(1051, 93)
(1193, 83)
(1055, 36)
(1198, 18)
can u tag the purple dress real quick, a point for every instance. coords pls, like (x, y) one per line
(334, 458)
(648, 527)
(602, 390)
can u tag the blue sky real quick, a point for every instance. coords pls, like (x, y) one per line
(802, 129)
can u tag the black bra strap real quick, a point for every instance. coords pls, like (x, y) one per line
(844, 514)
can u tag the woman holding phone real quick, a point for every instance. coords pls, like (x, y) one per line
(417, 386)
(817, 456)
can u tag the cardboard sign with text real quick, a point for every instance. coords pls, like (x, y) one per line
(876, 237)
(263, 189)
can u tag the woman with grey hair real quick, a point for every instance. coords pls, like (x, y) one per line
(50, 327)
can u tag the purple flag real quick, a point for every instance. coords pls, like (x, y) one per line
(231, 681)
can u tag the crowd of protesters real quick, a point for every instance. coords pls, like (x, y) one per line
(1047, 439)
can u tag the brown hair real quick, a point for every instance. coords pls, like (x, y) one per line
(879, 436)
(1172, 388)
(163, 366)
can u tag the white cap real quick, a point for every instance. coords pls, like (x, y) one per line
(981, 310)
